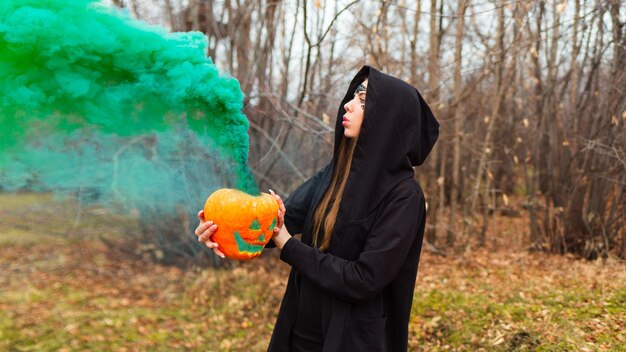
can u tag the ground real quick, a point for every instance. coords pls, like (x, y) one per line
(63, 290)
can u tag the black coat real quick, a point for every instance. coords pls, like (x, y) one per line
(370, 268)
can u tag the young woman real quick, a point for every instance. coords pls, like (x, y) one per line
(362, 222)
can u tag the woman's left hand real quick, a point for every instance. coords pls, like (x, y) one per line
(280, 214)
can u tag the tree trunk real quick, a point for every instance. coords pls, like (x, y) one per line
(433, 97)
(458, 119)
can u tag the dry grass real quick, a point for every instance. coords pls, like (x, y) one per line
(74, 295)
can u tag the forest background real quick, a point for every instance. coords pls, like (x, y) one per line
(526, 228)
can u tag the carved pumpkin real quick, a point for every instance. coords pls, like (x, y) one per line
(245, 223)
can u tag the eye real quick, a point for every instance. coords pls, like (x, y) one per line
(255, 225)
(273, 224)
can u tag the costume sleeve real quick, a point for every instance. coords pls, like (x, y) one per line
(298, 203)
(385, 250)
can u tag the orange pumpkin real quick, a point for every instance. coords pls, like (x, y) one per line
(245, 223)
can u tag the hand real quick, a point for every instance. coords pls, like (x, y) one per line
(280, 214)
(280, 236)
(204, 231)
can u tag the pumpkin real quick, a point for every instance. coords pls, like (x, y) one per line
(245, 223)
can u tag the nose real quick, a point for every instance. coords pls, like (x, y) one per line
(347, 106)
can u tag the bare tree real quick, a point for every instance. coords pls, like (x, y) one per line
(458, 119)
(529, 96)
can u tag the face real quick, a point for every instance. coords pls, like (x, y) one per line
(353, 117)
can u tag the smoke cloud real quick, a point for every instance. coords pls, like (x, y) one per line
(96, 103)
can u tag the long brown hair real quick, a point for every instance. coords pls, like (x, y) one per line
(332, 197)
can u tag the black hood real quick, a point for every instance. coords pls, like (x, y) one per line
(397, 133)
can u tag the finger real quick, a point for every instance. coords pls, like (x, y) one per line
(281, 205)
(280, 213)
(206, 235)
(201, 215)
(211, 244)
(203, 227)
(218, 252)
(281, 208)
(277, 197)
(281, 221)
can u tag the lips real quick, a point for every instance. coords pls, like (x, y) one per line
(345, 121)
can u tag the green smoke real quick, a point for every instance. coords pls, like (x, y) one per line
(96, 101)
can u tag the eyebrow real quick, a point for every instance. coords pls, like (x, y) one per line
(360, 89)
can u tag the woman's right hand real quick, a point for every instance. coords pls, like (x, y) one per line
(205, 230)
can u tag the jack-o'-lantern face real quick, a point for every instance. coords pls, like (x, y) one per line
(256, 245)
(245, 223)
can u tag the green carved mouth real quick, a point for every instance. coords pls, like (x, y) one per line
(244, 246)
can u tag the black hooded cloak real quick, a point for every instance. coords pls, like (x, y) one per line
(368, 273)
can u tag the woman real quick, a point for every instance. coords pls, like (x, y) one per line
(362, 223)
